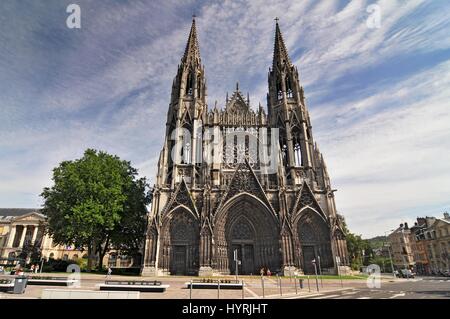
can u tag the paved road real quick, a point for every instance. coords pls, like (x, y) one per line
(420, 288)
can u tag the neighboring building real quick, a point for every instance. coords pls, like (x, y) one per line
(20, 228)
(217, 195)
(401, 248)
(437, 241)
(418, 246)
(426, 245)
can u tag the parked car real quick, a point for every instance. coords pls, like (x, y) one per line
(406, 273)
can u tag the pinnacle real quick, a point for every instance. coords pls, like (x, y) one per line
(192, 48)
(280, 53)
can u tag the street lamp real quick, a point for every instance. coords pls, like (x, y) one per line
(389, 252)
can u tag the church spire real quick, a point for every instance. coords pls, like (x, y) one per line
(192, 51)
(280, 53)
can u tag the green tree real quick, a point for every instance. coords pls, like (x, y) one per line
(96, 202)
(355, 247)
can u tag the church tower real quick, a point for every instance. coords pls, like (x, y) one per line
(215, 196)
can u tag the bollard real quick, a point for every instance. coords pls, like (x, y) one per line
(300, 281)
(281, 290)
(309, 286)
(218, 289)
(243, 292)
(190, 290)
(295, 284)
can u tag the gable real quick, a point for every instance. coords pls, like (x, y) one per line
(182, 196)
(306, 198)
(244, 180)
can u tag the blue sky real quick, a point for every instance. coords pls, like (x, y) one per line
(378, 98)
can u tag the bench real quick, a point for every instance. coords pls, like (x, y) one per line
(214, 284)
(6, 285)
(142, 286)
(51, 281)
(88, 294)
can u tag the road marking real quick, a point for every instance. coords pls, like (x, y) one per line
(327, 296)
(350, 293)
(252, 292)
(397, 295)
(364, 298)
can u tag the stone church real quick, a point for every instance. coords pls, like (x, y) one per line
(242, 182)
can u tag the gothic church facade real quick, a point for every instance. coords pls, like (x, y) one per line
(205, 212)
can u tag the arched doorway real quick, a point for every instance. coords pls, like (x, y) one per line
(246, 226)
(180, 239)
(314, 237)
(242, 239)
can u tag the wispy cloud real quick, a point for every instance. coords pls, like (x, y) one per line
(378, 97)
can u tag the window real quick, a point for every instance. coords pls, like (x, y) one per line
(289, 92)
(279, 90)
(235, 160)
(189, 84)
(51, 256)
(187, 154)
(66, 257)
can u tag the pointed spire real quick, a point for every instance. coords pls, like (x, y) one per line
(280, 53)
(192, 48)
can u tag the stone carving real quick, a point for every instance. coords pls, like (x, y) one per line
(284, 224)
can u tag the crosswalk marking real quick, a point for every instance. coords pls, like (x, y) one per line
(397, 295)
(327, 296)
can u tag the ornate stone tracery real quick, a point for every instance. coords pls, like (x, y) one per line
(202, 212)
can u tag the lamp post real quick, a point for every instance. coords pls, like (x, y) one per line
(320, 272)
(315, 271)
(389, 252)
(237, 262)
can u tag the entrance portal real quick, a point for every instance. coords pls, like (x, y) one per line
(179, 261)
(309, 254)
(246, 256)
(179, 254)
(248, 226)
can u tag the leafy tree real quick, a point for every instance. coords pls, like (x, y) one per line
(96, 202)
(32, 251)
(356, 246)
(383, 262)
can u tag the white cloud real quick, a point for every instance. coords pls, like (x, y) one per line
(395, 160)
(109, 88)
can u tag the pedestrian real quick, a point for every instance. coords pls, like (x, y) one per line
(268, 272)
(108, 275)
(32, 268)
(36, 268)
(262, 271)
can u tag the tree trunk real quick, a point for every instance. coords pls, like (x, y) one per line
(101, 253)
(89, 264)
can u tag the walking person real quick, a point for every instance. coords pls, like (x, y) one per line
(108, 275)
(36, 269)
(32, 268)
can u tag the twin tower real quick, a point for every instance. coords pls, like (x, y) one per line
(239, 183)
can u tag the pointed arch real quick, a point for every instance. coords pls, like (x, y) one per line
(180, 238)
(313, 235)
(247, 225)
